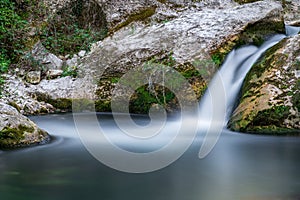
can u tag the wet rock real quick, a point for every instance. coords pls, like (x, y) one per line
(271, 93)
(17, 130)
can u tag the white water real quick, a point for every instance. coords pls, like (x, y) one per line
(218, 102)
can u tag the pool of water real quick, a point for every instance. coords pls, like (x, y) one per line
(240, 166)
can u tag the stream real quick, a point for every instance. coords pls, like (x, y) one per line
(233, 166)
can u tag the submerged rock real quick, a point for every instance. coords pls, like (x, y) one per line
(271, 93)
(17, 130)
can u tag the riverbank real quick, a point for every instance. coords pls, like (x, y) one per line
(191, 39)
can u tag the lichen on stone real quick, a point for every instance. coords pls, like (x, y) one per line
(270, 94)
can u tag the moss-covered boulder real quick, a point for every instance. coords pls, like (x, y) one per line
(17, 130)
(270, 101)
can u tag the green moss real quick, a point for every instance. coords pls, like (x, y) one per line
(80, 105)
(70, 71)
(296, 98)
(139, 16)
(162, 1)
(269, 60)
(12, 136)
(102, 106)
(253, 34)
(256, 33)
(61, 103)
(274, 117)
(273, 130)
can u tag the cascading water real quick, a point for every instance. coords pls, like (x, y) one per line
(218, 102)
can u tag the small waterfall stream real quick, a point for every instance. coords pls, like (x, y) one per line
(218, 102)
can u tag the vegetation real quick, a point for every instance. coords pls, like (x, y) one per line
(70, 71)
(11, 39)
(69, 30)
(11, 136)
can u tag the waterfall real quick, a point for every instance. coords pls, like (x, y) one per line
(218, 102)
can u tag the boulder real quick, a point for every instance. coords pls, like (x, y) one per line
(33, 77)
(16, 94)
(17, 130)
(271, 93)
(43, 57)
(292, 12)
(54, 73)
(175, 36)
(179, 43)
(189, 36)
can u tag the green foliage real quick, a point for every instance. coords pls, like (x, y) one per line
(11, 40)
(149, 95)
(70, 71)
(218, 58)
(4, 63)
(67, 37)
(12, 28)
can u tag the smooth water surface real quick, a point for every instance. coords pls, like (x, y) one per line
(240, 166)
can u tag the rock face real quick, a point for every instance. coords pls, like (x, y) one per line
(193, 36)
(193, 32)
(17, 130)
(292, 12)
(271, 92)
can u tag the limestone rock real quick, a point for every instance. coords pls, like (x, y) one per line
(73, 61)
(41, 55)
(81, 53)
(16, 94)
(271, 92)
(17, 130)
(54, 73)
(187, 36)
(292, 12)
(33, 77)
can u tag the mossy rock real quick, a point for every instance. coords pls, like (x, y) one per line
(22, 136)
(255, 34)
(270, 96)
(141, 15)
(61, 104)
